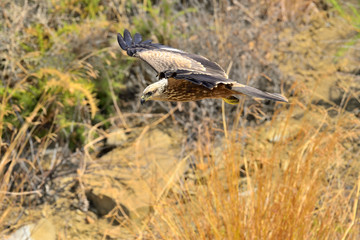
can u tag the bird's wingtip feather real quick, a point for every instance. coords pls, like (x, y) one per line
(137, 38)
(121, 42)
(127, 37)
(126, 41)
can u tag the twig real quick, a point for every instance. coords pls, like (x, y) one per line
(21, 193)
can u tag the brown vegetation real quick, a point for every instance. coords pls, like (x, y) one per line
(78, 150)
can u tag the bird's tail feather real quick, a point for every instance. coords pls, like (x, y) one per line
(253, 92)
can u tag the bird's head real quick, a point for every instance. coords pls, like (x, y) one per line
(155, 91)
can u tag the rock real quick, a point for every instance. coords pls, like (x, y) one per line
(22, 233)
(89, 220)
(43, 229)
(105, 204)
(129, 180)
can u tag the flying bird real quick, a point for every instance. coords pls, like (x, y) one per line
(185, 77)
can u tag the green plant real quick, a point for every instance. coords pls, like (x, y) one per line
(159, 20)
(352, 15)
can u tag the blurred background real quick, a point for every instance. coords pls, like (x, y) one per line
(80, 158)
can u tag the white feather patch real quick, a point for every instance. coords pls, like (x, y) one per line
(171, 49)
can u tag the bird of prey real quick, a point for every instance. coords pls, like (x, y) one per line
(185, 77)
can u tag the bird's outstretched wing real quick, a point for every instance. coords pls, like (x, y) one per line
(212, 81)
(163, 58)
(197, 78)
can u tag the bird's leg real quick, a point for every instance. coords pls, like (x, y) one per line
(231, 100)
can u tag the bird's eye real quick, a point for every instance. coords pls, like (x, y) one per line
(161, 75)
(148, 94)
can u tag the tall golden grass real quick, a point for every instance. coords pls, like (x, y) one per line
(299, 188)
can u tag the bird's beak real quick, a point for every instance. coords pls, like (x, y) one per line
(142, 100)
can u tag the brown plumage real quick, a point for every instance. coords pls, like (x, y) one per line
(184, 76)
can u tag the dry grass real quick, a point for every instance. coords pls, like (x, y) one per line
(289, 189)
(293, 177)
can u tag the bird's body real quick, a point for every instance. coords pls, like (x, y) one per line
(186, 77)
(178, 90)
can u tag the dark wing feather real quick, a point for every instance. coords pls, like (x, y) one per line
(205, 80)
(137, 38)
(122, 42)
(127, 37)
(147, 42)
(164, 58)
(133, 47)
